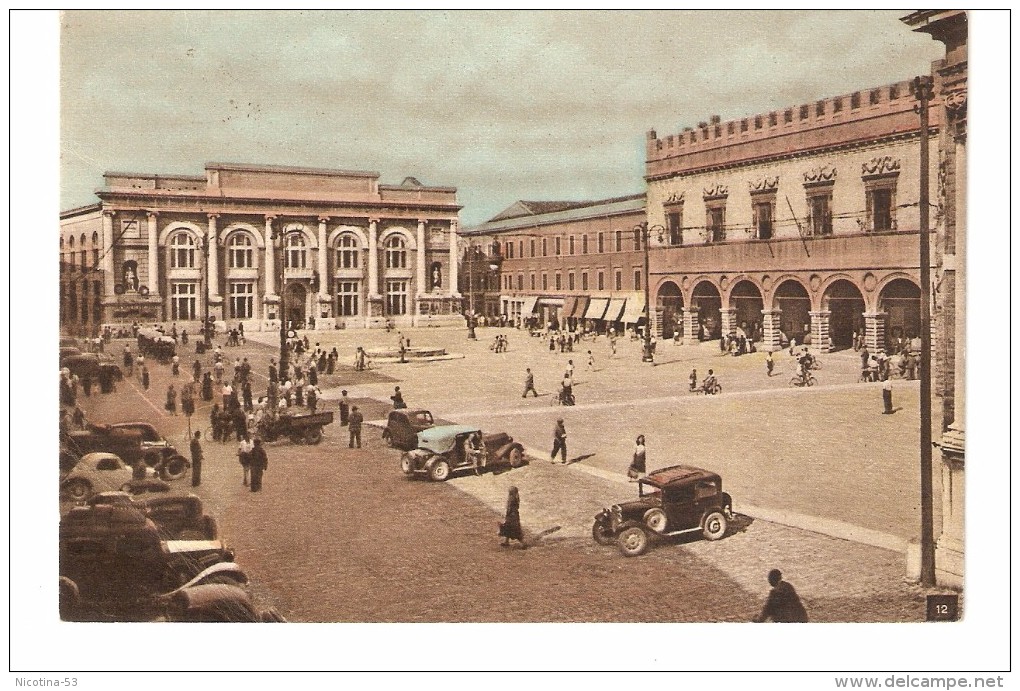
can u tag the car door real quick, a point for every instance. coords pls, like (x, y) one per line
(678, 503)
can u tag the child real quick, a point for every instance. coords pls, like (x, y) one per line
(769, 364)
(694, 380)
(591, 362)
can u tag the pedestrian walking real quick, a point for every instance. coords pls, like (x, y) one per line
(637, 464)
(145, 377)
(196, 459)
(273, 376)
(769, 363)
(397, 398)
(783, 604)
(175, 365)
(259, 463)
(559, 441)
(591, 362)
(345, 407)
(354, 424)
(244, 449)
(510, 528)
(196, 371)
(171, 400)
(529, 384)
(692, 381)
(207, 387)
(887, 397)
(188, 399)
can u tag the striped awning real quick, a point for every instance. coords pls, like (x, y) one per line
(596, 308)
(582, 306)
(615, 310)
(634, 310)
(529, 304)
(569, 305)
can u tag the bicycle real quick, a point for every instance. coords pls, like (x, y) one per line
(807, 380)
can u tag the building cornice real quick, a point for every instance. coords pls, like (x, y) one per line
(220, 204)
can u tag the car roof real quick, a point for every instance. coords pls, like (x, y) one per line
(679, 475)
(408, 412)
(444, 431)
(97, 456)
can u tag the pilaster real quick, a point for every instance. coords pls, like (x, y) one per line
(728, 319)
(108, 274)
(692, 326)
(420, 278)
(874, 330)
(373, 262)
(454, 260)
(820, 330)
(771, 340)
(152, 281)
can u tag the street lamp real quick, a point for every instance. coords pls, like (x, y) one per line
(278, 240)
(645, 231)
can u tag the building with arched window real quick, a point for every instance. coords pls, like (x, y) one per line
(255, 244)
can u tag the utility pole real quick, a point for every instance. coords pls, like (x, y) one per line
(923, 89)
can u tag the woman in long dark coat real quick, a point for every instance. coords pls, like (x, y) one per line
(637, 466)
(510, 528)
(258, 462)
(207, 387)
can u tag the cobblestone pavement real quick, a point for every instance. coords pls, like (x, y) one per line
(340, 535)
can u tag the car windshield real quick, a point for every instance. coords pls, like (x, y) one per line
(423, 418)
(646, 490)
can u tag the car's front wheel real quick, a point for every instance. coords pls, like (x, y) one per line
(78, 489)
(440, 471)
(602, 532)
(175, 468)
(656, 520)
(313, 435)
(714, 526)
(633, 541)
(406, 465)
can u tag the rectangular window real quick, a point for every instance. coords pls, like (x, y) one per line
(348, 296)
(570, 281)
(602, 281)
(532, 281)
(559, 249)
(183, 301)
(618, 279)
(803, 112)
(820, 212)
(532, 243)
(396, 297)
(637, 279)
(584, 280)
(240, 256)
(880, 208)
(584, 244)
(520, 249)
(509, 250)
(716, 222)
(602, 244)
(242, 299)
(675, 226)
(545, 248)
(570, 245)
(619, 241)
(545, 281)
(762, 214)
(84, 262)
(520, 281)
(559, 282)
(855, 100)
(637, 240)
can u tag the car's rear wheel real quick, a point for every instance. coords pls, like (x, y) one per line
(296, 437)
(175, 468)
(602, 532)
(439, 472)
(714, 526)
(633, 541)
(313, 435)
(516, 457)
(656, 520)
(78, 489)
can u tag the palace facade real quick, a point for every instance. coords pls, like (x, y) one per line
(253, 244)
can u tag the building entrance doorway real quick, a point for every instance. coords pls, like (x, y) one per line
(795, 306)
(294, 307)
(707, 300)
(746, 299)
(901, 300)
(845, 304)
(671, 301)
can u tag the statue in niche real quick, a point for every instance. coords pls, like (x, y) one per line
(131, 276)
(436, 275)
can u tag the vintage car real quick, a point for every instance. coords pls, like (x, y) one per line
(300, 428)
(178, 517)
(117, 559)
(440, 451)
(671, 501)
(403, 425)
(97, 472)
(132, 441)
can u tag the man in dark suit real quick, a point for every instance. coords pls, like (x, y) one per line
(782, 604)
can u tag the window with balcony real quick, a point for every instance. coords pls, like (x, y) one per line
(348, 297)
(715, 221)
(880, 202)
(763, 208)
(240, 251)
(675, 226)
(182, 251)
(820, 210)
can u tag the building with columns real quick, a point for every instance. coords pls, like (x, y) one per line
(800, 223)
(252, 244)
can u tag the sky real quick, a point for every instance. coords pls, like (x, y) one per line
(501, 105)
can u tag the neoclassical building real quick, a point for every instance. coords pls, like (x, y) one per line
(250, 244)
(801, 223)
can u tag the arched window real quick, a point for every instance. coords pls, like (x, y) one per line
(295, 255)
(71, 255)
(95, 250)
(347, 252)
(396, 253)
(240, 251)
(182, 251)
(84, 255)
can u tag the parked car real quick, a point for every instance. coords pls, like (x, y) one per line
(97, 472)
(440, 451)
(403, 425)
(671, 501)
(118, 562)
(178, 517)
(132, 441)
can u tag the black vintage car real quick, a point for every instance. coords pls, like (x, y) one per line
(131, 441)
(402, 427)
(671, 501)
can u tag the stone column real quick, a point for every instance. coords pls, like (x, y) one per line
(874, 330)
(271, 312)
(373, 259)
(324, 302)
(213, 269)
(420, 276)
(771, 341)
(152, 280)
(109, 278)
(728, 319)
(454, 268)
(820, 330)
(692, 325)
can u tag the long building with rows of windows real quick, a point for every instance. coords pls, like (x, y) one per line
(253, 244)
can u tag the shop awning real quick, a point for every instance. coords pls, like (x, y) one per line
(616, 306)
(582, 305)
(634, 310)
(596, 308)
(528, 306)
